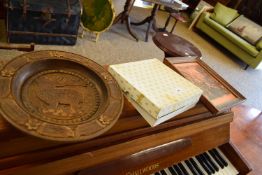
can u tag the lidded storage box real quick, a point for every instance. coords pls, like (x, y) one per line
(155, 88)
(43, 21)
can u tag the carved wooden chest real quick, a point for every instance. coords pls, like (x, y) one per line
(43, 22)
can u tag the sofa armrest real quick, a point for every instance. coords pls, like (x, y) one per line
(202, 18)
(257, 60)
(259, 45)
(259, 56)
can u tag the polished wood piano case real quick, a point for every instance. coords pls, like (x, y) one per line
(130, 147)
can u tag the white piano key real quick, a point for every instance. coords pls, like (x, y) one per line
(227, 170)
(200, 166)
(232, 169)
(171, 167)
(221, 170)
(167, 171)
(187, 168)
(163, 172)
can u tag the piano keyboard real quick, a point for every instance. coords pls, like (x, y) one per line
(208, 163)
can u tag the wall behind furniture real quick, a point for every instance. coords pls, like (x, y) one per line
(251, 9)
(2, 10)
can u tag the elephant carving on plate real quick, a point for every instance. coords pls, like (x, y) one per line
(61, 96)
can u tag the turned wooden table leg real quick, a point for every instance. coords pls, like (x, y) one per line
(150, 20)
(124, 17)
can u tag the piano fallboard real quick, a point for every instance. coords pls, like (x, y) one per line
(234, 165)
(153, 160)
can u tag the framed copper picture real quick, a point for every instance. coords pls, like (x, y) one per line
(218, 95)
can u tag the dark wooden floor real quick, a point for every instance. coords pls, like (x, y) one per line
(246, 135)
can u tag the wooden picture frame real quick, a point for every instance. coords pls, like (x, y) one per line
(218, 95)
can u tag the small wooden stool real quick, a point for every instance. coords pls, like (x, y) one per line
(176, 15)
(175, 46)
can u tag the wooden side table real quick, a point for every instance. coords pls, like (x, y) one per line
(150, 20)
(177, 16)
(175, 46)
(124, 17)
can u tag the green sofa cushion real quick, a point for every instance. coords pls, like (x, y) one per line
(223, 15)
(259, 44)
(232, 37)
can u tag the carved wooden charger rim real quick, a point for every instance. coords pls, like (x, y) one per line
(72, 129)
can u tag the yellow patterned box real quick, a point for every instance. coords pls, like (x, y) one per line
(156, 88)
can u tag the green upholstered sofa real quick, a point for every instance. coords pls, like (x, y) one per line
(248, 53)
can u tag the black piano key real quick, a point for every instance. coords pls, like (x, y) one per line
(211, 152)
(207, 163)
(220, 157)
(203, 165)
(211, 161)
(183, 169)
(177, 169)
(157, 173)
(192, 161)
(163, 172)
(190, 166)
(172, 171)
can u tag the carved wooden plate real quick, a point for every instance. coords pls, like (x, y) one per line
(59, 96)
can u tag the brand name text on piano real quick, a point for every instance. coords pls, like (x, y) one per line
(143, 170)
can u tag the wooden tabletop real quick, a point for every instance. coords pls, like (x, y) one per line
(174, 45)
(246, 135)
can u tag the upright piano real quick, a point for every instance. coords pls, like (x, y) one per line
(131, 147)
(196, 142)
